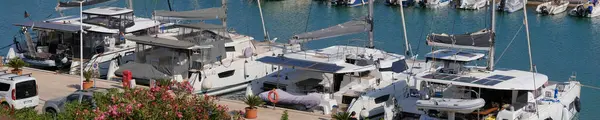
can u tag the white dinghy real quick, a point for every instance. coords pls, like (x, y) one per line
(448, 104)
(472, 4)
(553, 7)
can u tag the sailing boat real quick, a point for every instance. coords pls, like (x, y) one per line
(552, 7)
(455, 89)
(434, 3)
(400, 2)
(57, 39)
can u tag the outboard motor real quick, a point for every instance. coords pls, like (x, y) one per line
(502, 4)
(544, 10)
(580, 11)
(422, 3)
(590, 8)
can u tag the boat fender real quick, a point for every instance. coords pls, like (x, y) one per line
(577, 104)
(273, 96)
(590, 8)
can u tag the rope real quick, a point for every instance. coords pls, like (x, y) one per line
(7, 46)
(508, 46)
(588, 86)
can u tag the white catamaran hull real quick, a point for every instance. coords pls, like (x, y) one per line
(585, 10)
(551, 9)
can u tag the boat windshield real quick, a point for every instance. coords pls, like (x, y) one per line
(110, 21)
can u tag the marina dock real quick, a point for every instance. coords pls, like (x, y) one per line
(52, 85)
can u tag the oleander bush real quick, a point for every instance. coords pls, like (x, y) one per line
(164, 102)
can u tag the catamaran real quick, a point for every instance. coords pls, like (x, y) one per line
(57, 40)
(552, 7)
(455, 86)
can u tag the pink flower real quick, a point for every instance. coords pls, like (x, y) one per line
(179, 115)
(129, 109)
(139, 105)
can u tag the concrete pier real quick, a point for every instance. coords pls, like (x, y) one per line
(52, 85)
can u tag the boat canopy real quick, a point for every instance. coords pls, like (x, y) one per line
(155, 41)
(454, 55)
(314, 65)
(351, 27)
(499, 79)
(107, 11)
(479, 40)
(202, 14)
(141, 71)
(200, 25)
(52, 26)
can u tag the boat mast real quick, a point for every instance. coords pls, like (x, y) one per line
(169, 3)
(262, 19)
(493, 37)
(528, 40)
(370, 21)
(130, 2)
(224, 19)
(406, 44)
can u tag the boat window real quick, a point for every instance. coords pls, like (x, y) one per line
(381, 99)
(571, 105)
(4, 87)
(226, 74)
(397, 67)
(230, 49)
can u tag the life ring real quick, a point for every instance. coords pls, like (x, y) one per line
(577, 104)
(275, 98)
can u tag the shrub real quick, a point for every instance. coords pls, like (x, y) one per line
(138, 104)
(17, 63)
(252, 101)
(341, 116)
(285, 115)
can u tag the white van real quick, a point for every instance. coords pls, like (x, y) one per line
(18, 91)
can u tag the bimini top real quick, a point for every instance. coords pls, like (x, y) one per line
(351, 27)
(333, 59)
(479, 40)
(501, 79)
(108, 11)
(67, 4)
(52, 26)
(168, 43)
(454, 55)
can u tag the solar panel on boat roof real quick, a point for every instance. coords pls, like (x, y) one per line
(501, 77)
(481, 81)
(492, 82)
(428, 76)
(299, 63)
(326, 67)
(466, 79)
(271, 60)
(465, 54)
(439, 76)
(449, 77)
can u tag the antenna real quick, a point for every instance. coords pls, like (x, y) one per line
(224, 19)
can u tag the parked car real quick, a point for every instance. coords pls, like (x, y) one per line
(18, 91)
(57, 105)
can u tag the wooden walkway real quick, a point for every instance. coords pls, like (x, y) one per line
(52, 85)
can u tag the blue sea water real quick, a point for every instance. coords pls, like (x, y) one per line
(561, 44)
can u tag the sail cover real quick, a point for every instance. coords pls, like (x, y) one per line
(202, 14)
(479, 40)
(76, 3)
(350, 27)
